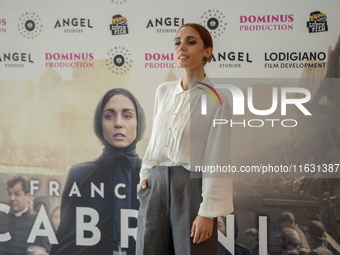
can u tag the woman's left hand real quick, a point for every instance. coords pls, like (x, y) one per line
(201, 229)
(36, 252)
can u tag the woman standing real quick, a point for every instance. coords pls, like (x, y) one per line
(177, 213)
(119, 123)
(55, 218)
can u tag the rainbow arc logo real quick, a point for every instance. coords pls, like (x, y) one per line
(209, 93)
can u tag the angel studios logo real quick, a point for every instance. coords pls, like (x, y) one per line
(317, 22)
(119, 60)
(165, 24)
(30, 25)
(231, 59)
(215, 21)
(15, 59)
(73, 25)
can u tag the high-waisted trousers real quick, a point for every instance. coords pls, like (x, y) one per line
(168, 207)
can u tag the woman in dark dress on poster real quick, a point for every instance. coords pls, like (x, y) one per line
(103, 187)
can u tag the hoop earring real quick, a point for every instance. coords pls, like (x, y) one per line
(205, 60)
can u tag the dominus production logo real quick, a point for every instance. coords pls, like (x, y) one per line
(160, 60)
(119, 60)
(69, 60)
(3, 24)
(266, 22)
(317, 22)
(30, 25)
(119, 25)
(215, 21)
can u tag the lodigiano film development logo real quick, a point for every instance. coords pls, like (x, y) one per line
(119, 25)
(30, 25)
(204, 97)
(119, 61)
(295, 59)
(317, 22)
(214, 21)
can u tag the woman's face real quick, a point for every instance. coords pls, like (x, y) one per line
(56, 219)
(119, 121)
(189, 48)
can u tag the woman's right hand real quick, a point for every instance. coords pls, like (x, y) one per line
(143, 184)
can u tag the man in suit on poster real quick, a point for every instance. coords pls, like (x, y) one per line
(19, 221)
(252, 239)
(316, 239)
(287, 220)
(290, 241)
(239, 248)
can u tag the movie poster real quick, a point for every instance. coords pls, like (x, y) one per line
(278, 65)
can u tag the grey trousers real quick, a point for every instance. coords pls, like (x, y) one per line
(168, 207)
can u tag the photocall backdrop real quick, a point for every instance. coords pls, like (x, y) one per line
(58, 58)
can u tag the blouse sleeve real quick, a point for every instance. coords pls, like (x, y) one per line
(217, 189)
(145, 170)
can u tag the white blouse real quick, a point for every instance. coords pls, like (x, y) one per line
(170, 144)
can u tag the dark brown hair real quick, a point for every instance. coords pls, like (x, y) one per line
(19, 179)
(287, 216)
(204, 34)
